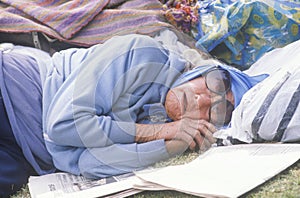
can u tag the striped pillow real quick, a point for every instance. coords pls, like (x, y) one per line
(269, 112)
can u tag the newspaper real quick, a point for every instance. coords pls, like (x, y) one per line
(228, 171)
(67, 185)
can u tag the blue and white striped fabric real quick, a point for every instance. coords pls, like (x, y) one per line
(269, 112)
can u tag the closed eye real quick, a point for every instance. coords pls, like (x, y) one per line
(184, 103)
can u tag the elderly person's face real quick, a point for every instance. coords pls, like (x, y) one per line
(195, 100)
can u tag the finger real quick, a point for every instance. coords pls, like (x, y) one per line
(192, 146)
(202, 143)
(205, 145)
(199, 139)
(187, 138)
(205, 132)
(198, 132)
(203, 126)
(208, 125)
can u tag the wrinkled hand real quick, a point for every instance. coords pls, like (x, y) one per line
(179, 135)
(196, 134)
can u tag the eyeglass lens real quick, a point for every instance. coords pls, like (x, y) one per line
(218, 81)
(220, 112)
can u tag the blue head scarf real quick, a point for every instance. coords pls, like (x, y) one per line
(240, 82)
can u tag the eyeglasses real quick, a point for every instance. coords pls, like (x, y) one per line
(218, 81)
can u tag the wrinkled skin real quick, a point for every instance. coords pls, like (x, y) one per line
(188, 105)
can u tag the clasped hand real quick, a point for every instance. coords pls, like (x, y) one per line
(179, 135)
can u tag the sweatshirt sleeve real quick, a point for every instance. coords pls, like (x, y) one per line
(89, 108)
(108, 161)
(97, 162)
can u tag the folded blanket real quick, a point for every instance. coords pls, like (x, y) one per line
(82, 23)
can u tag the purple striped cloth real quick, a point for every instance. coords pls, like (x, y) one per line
(82, 22)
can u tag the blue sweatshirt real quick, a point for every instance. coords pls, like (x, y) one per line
(93, 98)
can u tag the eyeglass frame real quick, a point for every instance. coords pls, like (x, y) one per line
(222, 94)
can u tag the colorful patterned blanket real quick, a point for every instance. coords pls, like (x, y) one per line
(240, 32)
(79, 22)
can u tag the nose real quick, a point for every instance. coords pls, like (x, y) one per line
(203, 100)
(201, 106)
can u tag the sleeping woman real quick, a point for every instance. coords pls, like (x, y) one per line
(109, 109)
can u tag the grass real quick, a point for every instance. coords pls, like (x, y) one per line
(284, 185)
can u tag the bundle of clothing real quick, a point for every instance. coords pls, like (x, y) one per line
(79, 23)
